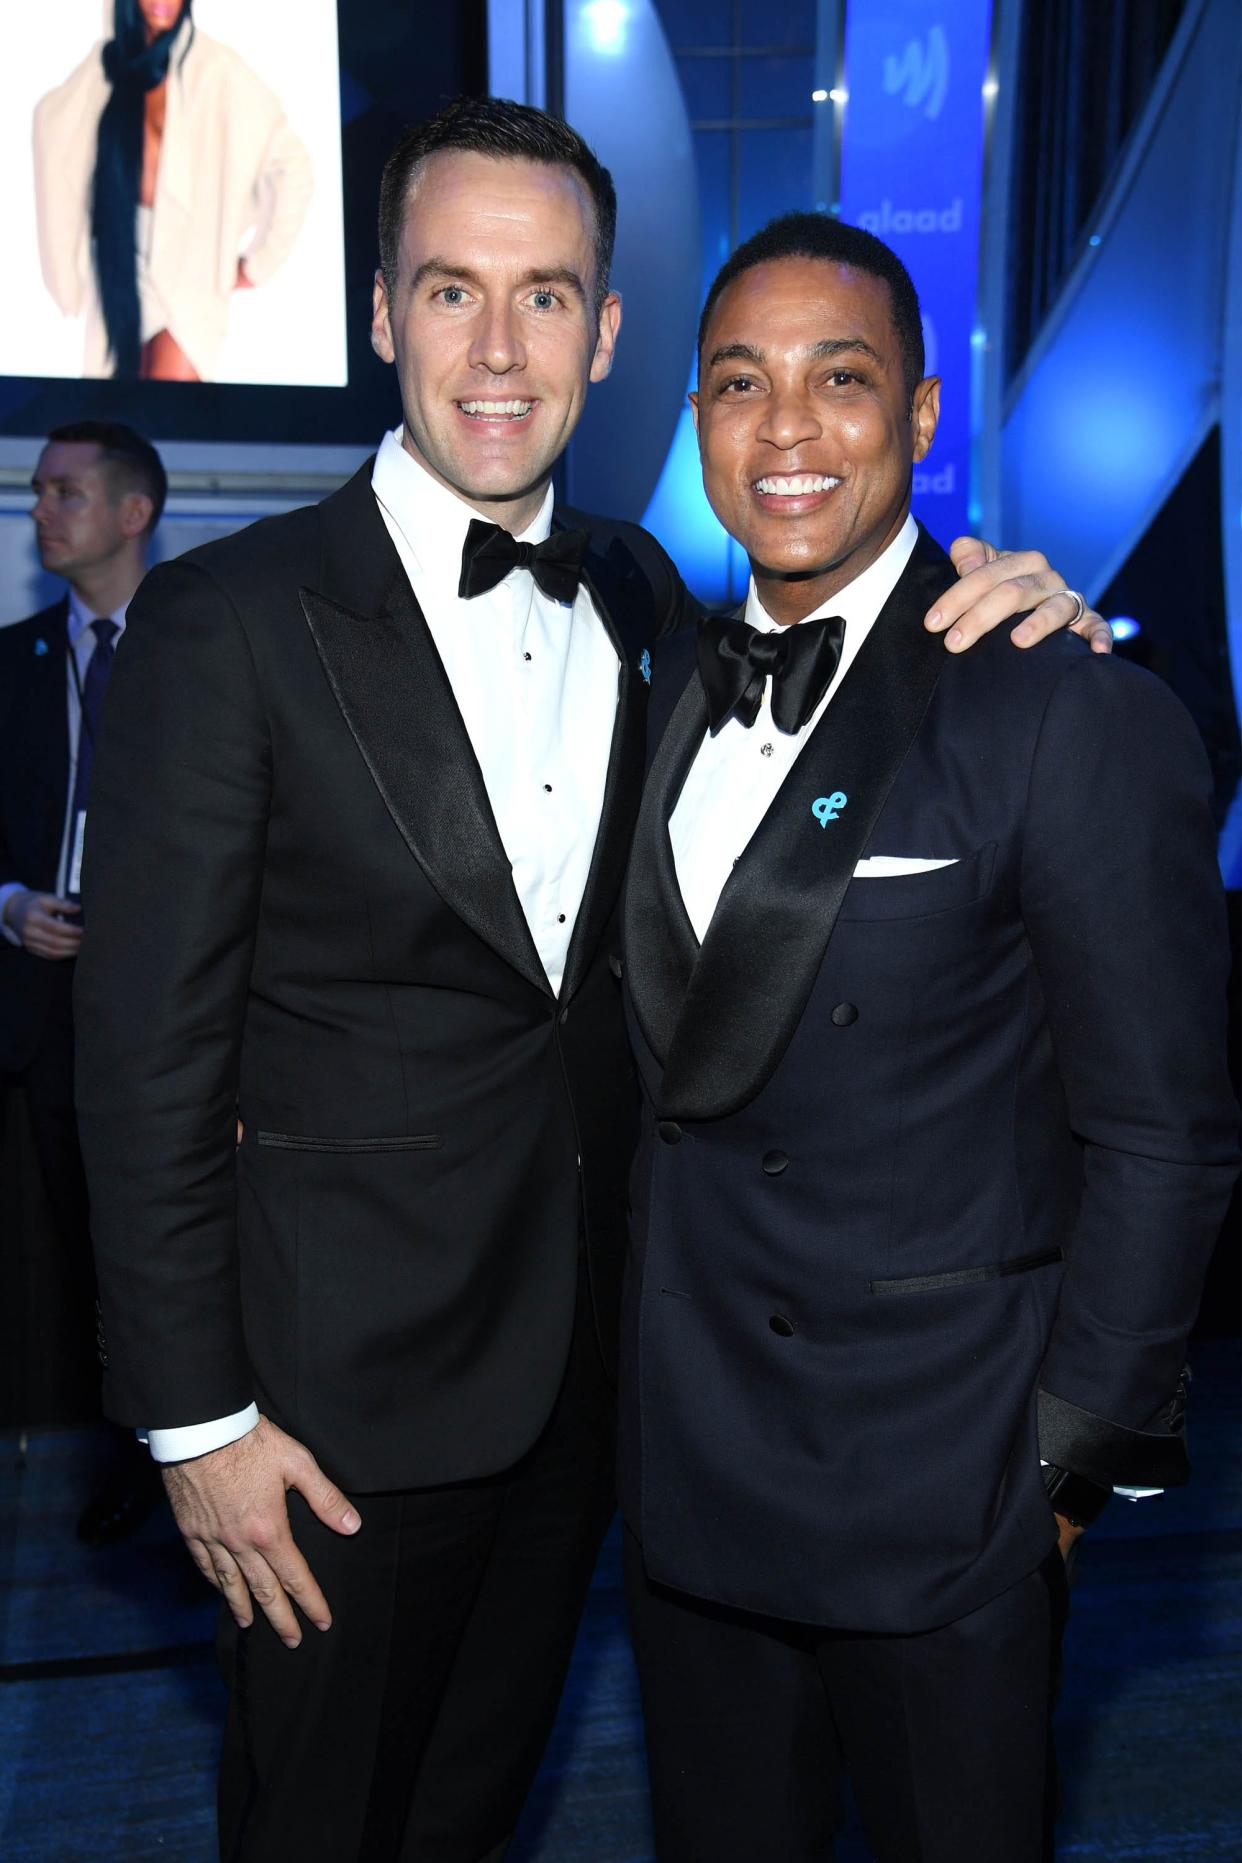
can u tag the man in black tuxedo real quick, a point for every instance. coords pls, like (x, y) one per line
(937, 1130)
(374, 863)
(99, 491)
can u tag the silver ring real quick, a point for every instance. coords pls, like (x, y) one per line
(1082, 606)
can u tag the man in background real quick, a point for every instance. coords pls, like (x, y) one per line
(99, 490)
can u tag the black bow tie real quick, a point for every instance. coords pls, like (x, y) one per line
(489, 553)
(735, 659)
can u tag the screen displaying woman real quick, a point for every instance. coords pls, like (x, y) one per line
(167, 178)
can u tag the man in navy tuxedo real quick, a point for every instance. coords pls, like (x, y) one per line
(937, 1129)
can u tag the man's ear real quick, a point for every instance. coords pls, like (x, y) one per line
(381, 321)
(925, 415)
(693, 399)
(606, 343)
(136, 513)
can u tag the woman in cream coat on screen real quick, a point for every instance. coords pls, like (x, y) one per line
(153, 161)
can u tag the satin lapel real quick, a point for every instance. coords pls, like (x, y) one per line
(660, 946)
(767, 938)
(395, 696)
(605, 578)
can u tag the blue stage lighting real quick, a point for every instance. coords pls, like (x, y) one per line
(1124, 627)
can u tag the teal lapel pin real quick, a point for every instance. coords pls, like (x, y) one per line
(644, 666)
(827, 809)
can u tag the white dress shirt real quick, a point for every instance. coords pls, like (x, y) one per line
(81, 646)
(536, 684)
(735, 775)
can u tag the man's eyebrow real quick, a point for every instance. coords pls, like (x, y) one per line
(840, 345)
(537, 275)
(736, 352)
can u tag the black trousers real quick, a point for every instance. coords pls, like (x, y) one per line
(411, 1731)
(752, 1725)
(47, 1274)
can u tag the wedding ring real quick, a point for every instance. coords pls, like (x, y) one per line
(1082, 605)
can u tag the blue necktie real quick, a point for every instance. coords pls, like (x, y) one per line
(93, 688)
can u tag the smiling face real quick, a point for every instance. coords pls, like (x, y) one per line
(807, 433)
(493, 327)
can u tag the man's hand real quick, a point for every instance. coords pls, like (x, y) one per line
(230, 1507)
(1067, 1536)
(44, 924)
(996, 584)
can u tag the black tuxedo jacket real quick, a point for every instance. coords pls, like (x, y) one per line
(930, 1165)
(34, 792)
(300, 911)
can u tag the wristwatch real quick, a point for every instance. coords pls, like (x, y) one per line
(1074, 1497)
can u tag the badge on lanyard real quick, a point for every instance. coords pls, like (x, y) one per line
(74, 884)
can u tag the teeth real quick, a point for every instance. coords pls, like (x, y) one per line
(798, 487)
(497, 410)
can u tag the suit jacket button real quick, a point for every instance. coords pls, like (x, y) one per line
(781, 1325)
(564, 1017)
(774, 1162)
(669, 1131)
(614, 964)
(844, 1014)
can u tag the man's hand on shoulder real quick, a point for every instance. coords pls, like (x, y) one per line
(1068, 1536)
(997, 584)
(230, 1507)
(44, 924)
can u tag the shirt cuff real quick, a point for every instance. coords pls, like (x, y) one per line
(7, 891)
(194, 1439)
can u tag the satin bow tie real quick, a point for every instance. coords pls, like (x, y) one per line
(489, 553)
(735, 659)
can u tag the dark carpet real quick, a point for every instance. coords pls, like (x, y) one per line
(110, 1706)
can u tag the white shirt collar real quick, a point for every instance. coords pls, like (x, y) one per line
(432, 520)
(861, 600)
(80, 617)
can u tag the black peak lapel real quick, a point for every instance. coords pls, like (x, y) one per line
(605, 579)
(767, 938)
(395, 696)
(660, 945)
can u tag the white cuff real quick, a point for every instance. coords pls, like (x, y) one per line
(194, 1439)
(7, 891)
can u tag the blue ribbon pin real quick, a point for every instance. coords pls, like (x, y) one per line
(40, 648)
(644, 666)
(827, 809)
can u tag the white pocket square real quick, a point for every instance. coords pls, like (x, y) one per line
(892, 866)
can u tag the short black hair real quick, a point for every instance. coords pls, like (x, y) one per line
(511, 132)
(818, 236)
(133, 463)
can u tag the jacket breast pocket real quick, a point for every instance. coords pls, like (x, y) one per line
(296, 1141)
(918, 895)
